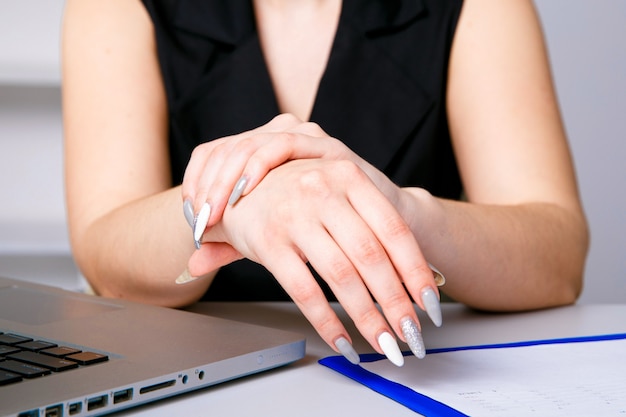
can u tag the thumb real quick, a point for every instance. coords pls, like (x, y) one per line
(211, 256)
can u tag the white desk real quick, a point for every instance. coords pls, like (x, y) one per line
(309, 389)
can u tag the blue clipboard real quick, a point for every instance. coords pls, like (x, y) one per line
(420, 403)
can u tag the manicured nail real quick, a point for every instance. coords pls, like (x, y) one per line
(413, 337)
(431, 303)
(188, 210)
(390, 348)
(200, 223)
(440, 280)
(238, 190)
(346, 349)
(185, 277)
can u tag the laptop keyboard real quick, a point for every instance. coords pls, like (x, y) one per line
(24, 358)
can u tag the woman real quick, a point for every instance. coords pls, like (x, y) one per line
(347, 130)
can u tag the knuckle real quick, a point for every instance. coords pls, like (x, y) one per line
(348, 170)
(325, 324)
(286, 118)
(366, 318)
(305, 294)
(415, 275)
(394, 300)
(315, 183)
(219, 185)
(287, 138)
(256, 165)
(201, 150)
(396, 227)
(311, 128)
(336, 143)
(216, 151)
(422, 270)
(340, 272)
(370, 252)
(245, 146)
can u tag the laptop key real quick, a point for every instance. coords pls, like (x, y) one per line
(60, 351)
(7, 378)
(24, 369)
(88, 358)
(13, 339)
(50, 362)
(36, 345)
(7, 350)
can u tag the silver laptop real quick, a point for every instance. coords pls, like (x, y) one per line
(69, 354)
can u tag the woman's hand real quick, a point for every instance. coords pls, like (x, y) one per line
(221, 171)
(330, 214)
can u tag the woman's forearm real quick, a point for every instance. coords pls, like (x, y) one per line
(501, 257)
(138, 250)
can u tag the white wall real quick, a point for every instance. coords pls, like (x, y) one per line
(33, 238)
(588, 51)
(586, 40)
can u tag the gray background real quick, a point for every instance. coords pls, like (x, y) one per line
(586, 44)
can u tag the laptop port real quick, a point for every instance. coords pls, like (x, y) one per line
(32, 413)
(123, 395)
(96, 402)
(74, 408)
(157, 387)
(54, 411)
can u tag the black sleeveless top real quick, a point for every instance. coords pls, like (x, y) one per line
(382, 93)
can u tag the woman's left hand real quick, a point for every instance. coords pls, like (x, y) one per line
(331, 215)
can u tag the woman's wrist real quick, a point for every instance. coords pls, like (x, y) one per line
(423, 213)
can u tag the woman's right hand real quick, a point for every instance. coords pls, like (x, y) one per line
(330, 214)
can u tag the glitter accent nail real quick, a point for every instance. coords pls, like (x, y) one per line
(413, 337)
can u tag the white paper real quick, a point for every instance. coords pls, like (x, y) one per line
(572, 379)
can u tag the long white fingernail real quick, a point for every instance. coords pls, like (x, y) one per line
(413, 337)
(238, 190)
(200, 223)
(390, 348)
(188, 211)
(432, 306)
(346, 349)
(440, 280)
(185, 277)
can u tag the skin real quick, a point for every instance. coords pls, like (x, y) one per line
(518, 242)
